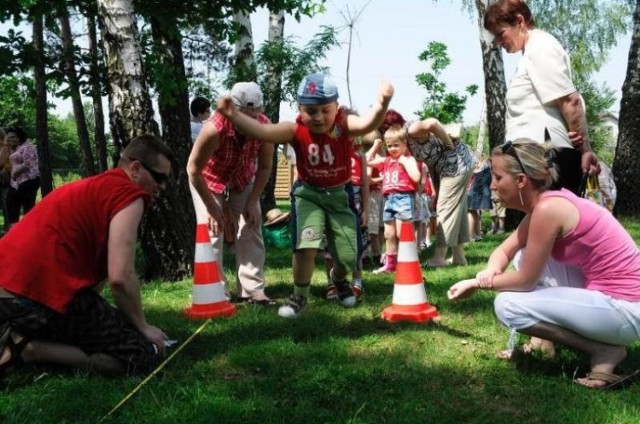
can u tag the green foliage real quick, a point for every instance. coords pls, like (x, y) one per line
(586, 28)
(599, 99)
(17, 102)
(206, 36)
(17, 108)
(294, 62)
(440, 104)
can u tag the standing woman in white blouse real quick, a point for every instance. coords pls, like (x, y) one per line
(543, 104)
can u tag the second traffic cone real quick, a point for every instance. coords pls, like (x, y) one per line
(409, 295)
(209, 299)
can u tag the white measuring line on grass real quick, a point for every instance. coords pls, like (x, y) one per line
(150, 376)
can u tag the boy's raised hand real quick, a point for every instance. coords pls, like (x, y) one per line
(386, 92)
(225, 106)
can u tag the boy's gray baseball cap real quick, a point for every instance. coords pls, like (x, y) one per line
(317, 89)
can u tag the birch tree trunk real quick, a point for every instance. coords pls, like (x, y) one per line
(495, 92)
(495, 87)
(167, 246)
(272, 98)
(244, 64)
(74, 89)
(96, 94)
(42, 120)
(626, 165)
(130, 109)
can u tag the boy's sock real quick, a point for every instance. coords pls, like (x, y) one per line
(301, 290)
(357, 288)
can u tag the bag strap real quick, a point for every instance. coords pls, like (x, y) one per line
(582, 189)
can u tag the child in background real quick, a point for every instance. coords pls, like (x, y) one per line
(376, 201)
(401, 176)
(479, 197)
(498, 214)
(422, 211)
(321, 140)
(359, 203)
(432, 225)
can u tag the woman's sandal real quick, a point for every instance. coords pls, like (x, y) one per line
(612, 381)
(15, 355)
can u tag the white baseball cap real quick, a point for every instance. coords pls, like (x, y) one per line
(247, 95)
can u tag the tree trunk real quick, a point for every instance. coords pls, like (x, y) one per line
(164, 237)
(173, 245)
(74, 89)
(42, 120)
(626, 165)
(131, 111)
(495, 90)
(272, 98)
(495, 87)
(244, 66)
(96, 94)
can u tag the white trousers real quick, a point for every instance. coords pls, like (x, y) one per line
(589, 313)
(559, 299)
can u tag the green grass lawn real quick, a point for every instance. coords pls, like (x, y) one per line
(334, 365)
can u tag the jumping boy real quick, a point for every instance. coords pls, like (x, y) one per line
(401, 175)
(321, 140)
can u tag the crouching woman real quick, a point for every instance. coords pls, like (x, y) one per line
(599, 317)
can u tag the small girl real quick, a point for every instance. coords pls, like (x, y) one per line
(401, 178)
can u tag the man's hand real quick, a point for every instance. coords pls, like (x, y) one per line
(155, 336)
(589, 163)
(251, 214)
(576, 140)
(216, 220)
(225, 106)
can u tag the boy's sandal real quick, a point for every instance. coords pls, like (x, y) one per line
(15, 354)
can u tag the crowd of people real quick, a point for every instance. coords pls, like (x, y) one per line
(576, 274)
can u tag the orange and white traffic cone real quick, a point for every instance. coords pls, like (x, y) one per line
(209, 299)
(409, 295)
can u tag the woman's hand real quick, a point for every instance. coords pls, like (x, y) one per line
(484, 278)
(462, 289)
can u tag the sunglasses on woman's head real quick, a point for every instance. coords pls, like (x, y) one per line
(509, 149)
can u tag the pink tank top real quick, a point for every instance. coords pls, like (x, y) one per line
(601, 247)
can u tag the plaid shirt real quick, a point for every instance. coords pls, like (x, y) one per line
(234, 164)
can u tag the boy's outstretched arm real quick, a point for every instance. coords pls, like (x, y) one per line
(272, 133)
(361, 125)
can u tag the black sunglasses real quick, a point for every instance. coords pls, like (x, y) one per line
(509, 148)
(158, 177)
